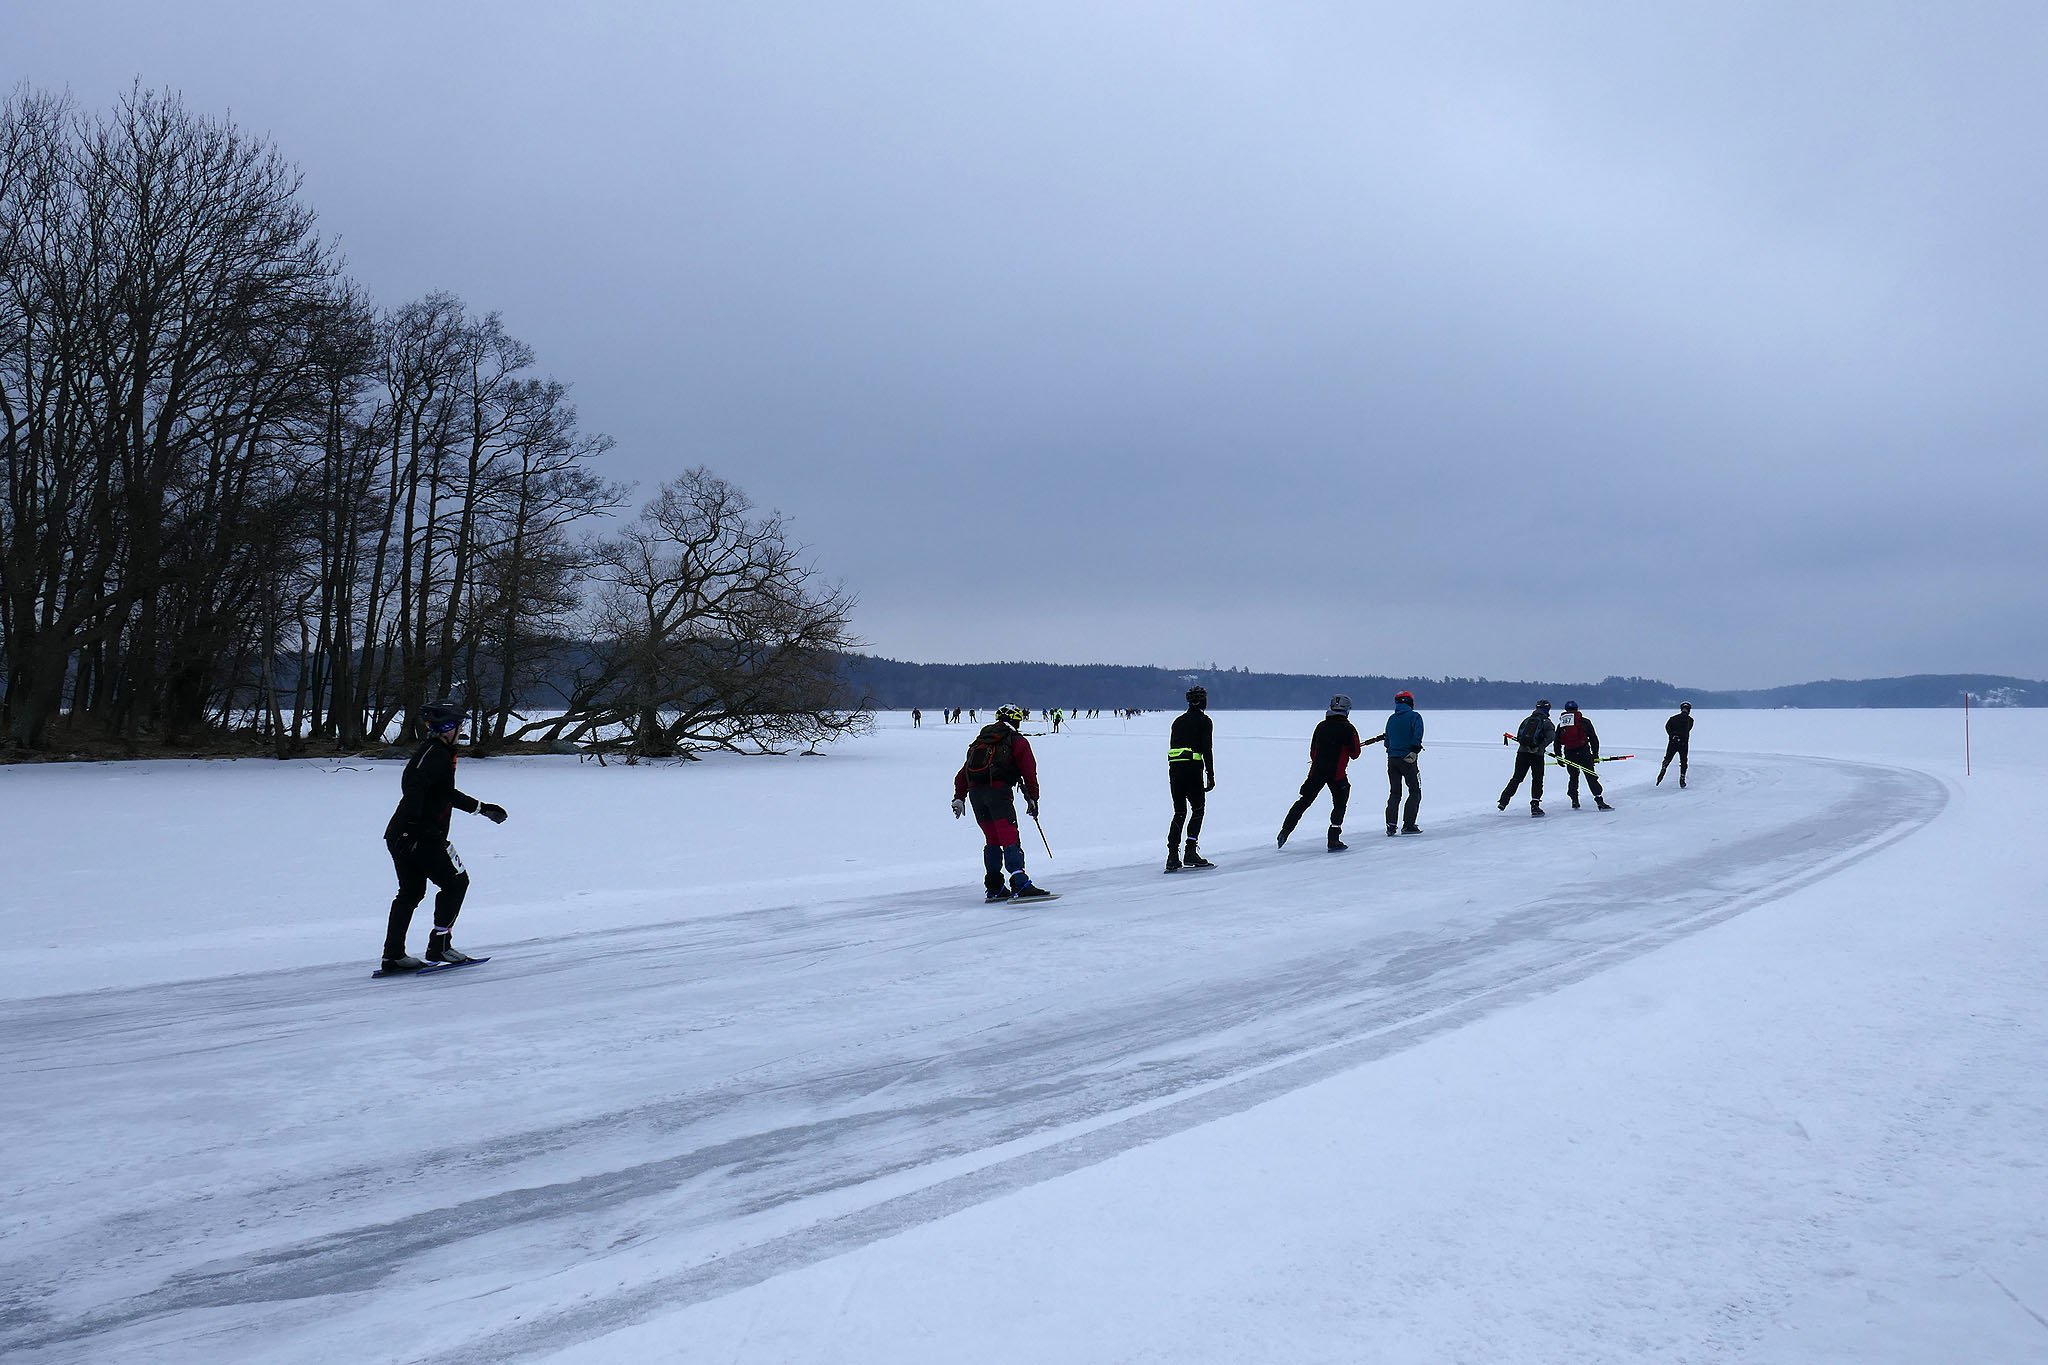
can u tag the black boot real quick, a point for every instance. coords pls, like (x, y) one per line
(992, 883)
(1600, 803)
(441, 948)
(1172, 859)
(404, 962)
(1193, 857)
(1337, 844)
(1535, 811)
(1393, 831)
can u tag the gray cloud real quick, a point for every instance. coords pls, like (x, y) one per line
(1500, 339)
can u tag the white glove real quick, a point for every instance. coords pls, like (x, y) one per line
(959, 807)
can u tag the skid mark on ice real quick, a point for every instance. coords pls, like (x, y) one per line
(1096, 1072)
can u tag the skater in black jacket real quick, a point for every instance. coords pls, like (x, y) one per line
(1679, 745)
(1190, 777)
(1330, 751)
(417, 837)
(1532, 740)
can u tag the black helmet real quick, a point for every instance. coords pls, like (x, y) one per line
(444, 714)
(1198, 696)
(1543, 705)
(1685, 706)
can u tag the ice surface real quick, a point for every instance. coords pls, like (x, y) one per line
(1751, 1071)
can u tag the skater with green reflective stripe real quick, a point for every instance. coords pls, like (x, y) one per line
(1190, 777)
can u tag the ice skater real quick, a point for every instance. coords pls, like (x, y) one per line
(1330, 751)
(1678, 745)
(1190, 777)
(417, 837)
(1578, 745)
(1404, 759)
(1533, 738)
(998, 762)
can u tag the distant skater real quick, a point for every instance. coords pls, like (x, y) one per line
(916, 718)
(1190, 777)
(1679, 743)
(1404, 763)
(417, 837)
(1532, 740)
(999, 760)
(1330, 751)
(1578, 744)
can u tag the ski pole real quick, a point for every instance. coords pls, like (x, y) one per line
(1567, 763)
(1041, 837)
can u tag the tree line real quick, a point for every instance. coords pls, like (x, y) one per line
(240, 497)
(896, 685)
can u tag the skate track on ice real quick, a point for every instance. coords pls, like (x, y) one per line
(594, 1128)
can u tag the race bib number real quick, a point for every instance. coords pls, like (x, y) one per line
(455, 859)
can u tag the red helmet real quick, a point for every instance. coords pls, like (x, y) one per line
(1408, 697)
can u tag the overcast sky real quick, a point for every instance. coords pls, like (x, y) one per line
(1550, 340)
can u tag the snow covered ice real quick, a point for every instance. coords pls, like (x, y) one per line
(1752, 1071)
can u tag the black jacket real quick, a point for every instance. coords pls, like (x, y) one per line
(1193, 734)
(1679, 727)
(1331, 749)
(429, 793)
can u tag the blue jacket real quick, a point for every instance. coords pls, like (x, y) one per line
(1404, 730)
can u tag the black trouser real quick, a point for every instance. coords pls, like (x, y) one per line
(1678, 749)
(1340, 797)
(1399, 771)
(423, 858)
(1532, 765)
(1582, 764)
(1185, 780)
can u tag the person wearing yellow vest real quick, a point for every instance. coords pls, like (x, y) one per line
(1190, 777)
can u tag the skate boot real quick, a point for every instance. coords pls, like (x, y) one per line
(1503, 804)
(1660, 778)
(1172, 859)
(441, 948)
(1600, 803)
(993, 885)
(1575, 803)
(404, 962)
(1030, 892)
(1193, 858)
(1535, 811)
(1337, 844)
(1393, 831)
(1411, 829)
(1681, 777)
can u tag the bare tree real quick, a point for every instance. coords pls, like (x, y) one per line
(711, 631)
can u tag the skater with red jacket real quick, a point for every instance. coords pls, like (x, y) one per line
(1330, 751)
(999, 761)
(1578, 745)
(417, 837)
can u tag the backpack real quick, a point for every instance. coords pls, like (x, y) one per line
(989, 760)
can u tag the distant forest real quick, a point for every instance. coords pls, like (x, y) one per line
(894, 685)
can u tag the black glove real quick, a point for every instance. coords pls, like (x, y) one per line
(1031, 809)
(492, 813)
(1210, 785)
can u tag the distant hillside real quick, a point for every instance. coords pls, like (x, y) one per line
(896, 685)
